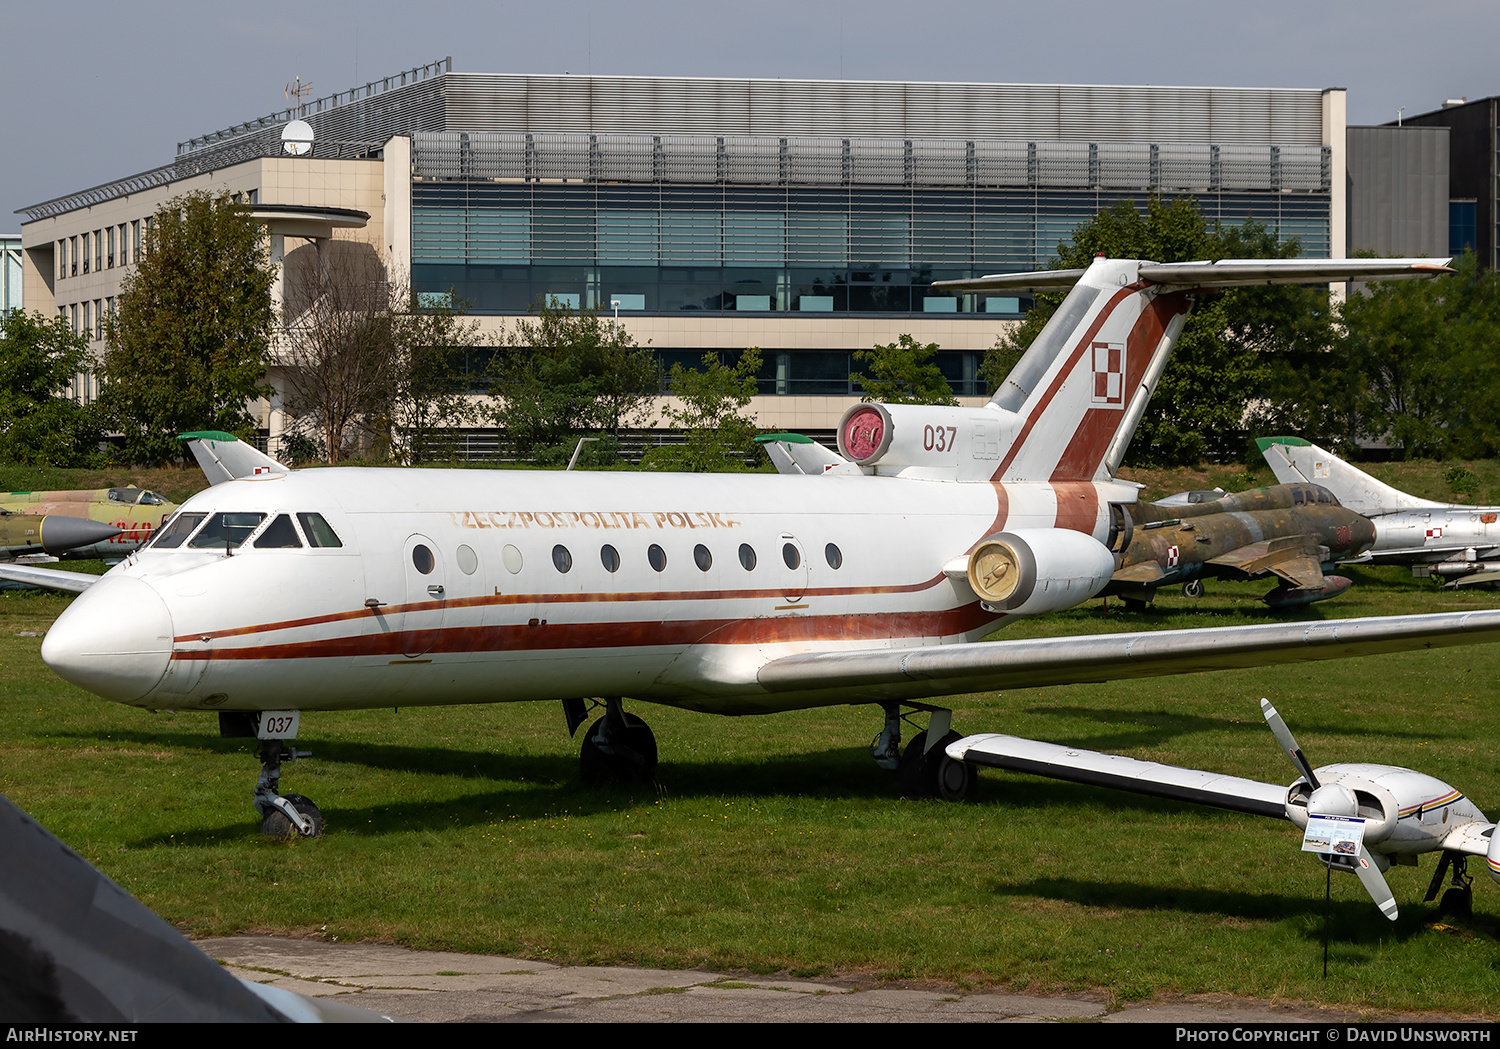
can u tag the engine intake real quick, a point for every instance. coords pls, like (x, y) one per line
(1034, 570)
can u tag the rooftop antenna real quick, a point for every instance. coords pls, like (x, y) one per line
(297, 136)
(296, 89)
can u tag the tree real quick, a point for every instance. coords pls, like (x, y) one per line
(1414, 364)
(569, 374)
(1224, 359)
(40, 423)
(366, 362)
(709, 412)
(903, 372)
(190, 344)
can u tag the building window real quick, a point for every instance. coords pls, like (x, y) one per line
(109, 257)
(85, 253)
(98, 320)
(74, 313)
(135, 239)
(123, 254)
(98, 250)
(87, 321)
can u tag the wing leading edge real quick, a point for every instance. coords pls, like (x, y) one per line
(1094, 769)
(984, 666)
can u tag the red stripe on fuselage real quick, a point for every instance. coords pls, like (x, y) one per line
(682, 633)
(1077, 505)
(558, 599)
(1091, 440)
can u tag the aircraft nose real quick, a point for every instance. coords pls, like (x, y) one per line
(115, 639)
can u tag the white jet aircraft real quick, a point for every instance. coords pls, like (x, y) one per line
(1453, 540)
(1382, 814)
(867, 577)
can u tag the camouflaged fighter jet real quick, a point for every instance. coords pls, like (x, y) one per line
(1289, 531)
(128, 517)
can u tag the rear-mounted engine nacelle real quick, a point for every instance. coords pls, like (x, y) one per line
(963, 442)
(1034, 570)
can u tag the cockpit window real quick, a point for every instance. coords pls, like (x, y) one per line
(318, 531)
(171, 535)
(128, 496)
(226, 531)
(280, 534)
(151, 499)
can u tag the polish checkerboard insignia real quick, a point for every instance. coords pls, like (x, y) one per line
(1172, 557)
(1435, 533)
(1109, 373)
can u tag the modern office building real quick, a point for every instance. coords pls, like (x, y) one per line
(804, 217)
(10, 272)
(1473, 130)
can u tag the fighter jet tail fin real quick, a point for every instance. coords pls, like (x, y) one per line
(224, 457)
(1294, 461)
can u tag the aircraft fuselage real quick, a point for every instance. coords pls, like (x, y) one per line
(451, 586)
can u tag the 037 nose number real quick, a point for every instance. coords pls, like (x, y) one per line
(278, 724)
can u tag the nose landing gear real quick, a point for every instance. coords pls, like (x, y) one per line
(282, 816)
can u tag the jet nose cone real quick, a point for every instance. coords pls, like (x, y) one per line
(115, 639)
(60, 533)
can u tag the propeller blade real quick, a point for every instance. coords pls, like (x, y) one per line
(1374, 883)
(1288, 743)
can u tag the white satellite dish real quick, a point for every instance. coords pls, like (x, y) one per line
(297, 138)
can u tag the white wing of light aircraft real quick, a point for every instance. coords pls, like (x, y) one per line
(867, 579)
(1453, 540)
(1382, 813)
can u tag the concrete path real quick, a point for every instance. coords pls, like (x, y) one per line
(440, 986)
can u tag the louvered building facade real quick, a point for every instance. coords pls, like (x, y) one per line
(804, 217)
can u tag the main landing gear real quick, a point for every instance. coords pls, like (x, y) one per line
(1458, 902)
(282, 816)
(618, 747)
(925, 769)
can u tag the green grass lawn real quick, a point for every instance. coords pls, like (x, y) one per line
(774, 844)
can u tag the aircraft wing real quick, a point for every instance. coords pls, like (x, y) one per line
(1110, 770)
(1295, 558)
(1145, 573)
(51, 578)
(1470, 838)
(877, 675)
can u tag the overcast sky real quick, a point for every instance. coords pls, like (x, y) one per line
(94, 91)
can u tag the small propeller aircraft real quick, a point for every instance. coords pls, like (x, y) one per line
(1360, 817)
(1456, 541)
(866, 576)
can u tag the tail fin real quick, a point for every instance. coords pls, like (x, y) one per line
(1294, 460)
(1074, 399)
(225, 457)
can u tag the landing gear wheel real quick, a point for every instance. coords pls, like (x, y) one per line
(627, 755)
(276, 825)
(1192, 588)
(935, 774)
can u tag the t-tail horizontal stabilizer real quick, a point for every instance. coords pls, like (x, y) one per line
(224, 457)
